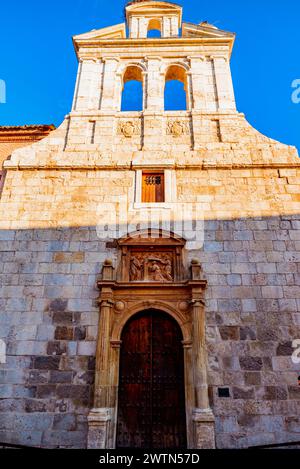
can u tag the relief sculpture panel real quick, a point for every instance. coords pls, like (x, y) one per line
(151, 266)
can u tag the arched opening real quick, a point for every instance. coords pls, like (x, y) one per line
(176, 96)
(154, 29)
(151, 404)
(132, 93)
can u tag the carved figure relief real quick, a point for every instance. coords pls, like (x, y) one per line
(154, 267)
(136, 269)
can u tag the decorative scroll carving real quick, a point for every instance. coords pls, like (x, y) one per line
(178, 128)
(153, 267)
(129, 128)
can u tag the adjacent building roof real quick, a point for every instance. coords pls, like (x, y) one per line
(13, 137)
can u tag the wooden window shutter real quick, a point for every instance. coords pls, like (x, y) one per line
(153, 189)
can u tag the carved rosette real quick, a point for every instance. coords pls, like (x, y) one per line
(129, 128)
(178, 128)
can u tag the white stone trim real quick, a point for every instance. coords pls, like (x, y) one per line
(170, 190)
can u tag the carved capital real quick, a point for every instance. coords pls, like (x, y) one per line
(219, 57)
(202, 58)
(110, 59)
(198, 303)
(106, 302)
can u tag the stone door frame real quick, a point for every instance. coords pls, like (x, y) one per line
(121, 299)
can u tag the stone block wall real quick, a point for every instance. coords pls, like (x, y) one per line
(50, 259)
(48, 319)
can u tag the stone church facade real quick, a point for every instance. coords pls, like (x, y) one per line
(169, 333)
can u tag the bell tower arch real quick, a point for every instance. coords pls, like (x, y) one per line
(143, 15)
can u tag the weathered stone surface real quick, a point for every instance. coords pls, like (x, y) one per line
(229, 333)
(252, 378)
(46, 363)
(64, 333)
(243, 393)
(61, 377)
(65, 422)
(294, 392)
(251, 363)
(247, 333)
(285, 349)
(274, 393)
(56, 348)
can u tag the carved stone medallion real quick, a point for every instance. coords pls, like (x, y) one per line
(177, 128)
(129, 128)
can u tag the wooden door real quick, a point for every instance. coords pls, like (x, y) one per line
(151, 410)
(153, 190)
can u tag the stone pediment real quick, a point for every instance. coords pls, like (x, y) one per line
(117, 31)
(149, 7)
(204, 30)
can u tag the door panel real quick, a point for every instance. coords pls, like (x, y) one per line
(151, 390)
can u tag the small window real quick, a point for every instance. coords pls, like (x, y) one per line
(153, 190)
(223, 392)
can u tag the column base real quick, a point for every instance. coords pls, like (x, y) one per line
(99, 422)
(204, 429)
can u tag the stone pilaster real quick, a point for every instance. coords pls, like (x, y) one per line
(110, 101)
(139, 27)
(223, 79)
(88, 87)
(99, 421)
(154, 98)
(174, 26)
(198, 83)
(203, 419)
(166, 27)
(100, 417)
(197, 90)
(204, 429)
(154, 89)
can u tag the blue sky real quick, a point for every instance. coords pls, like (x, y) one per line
(39, 66)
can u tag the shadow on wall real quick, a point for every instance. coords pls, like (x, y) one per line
(49, 317)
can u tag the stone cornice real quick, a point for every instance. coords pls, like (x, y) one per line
(151, 42)
(11, 166)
